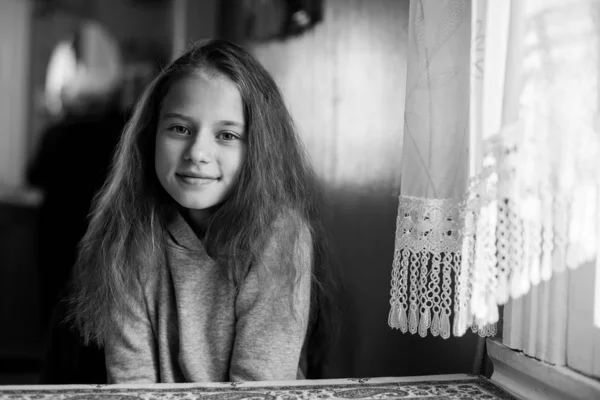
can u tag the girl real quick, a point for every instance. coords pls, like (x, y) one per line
(204, 250)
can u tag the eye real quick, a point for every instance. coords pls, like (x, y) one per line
(227, 136)
(179, 130)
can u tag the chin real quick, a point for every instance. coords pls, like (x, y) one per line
(196, 205)
(196, 201)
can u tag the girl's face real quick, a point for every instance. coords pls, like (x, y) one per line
(200, 142)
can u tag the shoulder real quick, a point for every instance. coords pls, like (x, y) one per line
(290, 221)
(289, 241)
(290, 227)
(285, 260)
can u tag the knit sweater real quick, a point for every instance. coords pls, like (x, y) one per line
(190, 325)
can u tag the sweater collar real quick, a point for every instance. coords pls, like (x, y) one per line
(183, 234)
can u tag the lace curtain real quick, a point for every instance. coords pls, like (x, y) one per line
(501, 157)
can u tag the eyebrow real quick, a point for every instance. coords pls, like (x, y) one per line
(185, 117)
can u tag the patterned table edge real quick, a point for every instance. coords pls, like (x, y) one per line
(239, 387)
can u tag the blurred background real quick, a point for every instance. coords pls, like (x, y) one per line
(70, 70)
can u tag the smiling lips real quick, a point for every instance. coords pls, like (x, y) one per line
(196, 179)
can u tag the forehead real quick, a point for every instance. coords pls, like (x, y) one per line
(204, 94)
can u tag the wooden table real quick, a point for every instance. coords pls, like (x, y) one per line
(438, 387)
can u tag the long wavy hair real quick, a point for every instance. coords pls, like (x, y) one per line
(127, 227)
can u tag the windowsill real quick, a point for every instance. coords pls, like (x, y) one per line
(531, 379)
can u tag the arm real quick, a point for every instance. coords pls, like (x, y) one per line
(130, 352)
(270, 330)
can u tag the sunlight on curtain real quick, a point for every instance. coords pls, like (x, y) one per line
(531, 204)
(490, 75)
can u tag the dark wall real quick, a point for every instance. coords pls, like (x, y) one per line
(20, 339)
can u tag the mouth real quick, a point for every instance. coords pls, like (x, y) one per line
(195, 180)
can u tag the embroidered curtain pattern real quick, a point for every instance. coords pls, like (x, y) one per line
(501, 158)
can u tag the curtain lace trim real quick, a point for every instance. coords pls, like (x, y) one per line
(427, 266)
(460, 259)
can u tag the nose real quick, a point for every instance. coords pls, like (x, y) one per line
(200, 148)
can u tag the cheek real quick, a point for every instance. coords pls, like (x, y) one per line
(166, 155)
(238, 160)
(158, 157)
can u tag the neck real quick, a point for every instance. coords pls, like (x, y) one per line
(198, 220)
